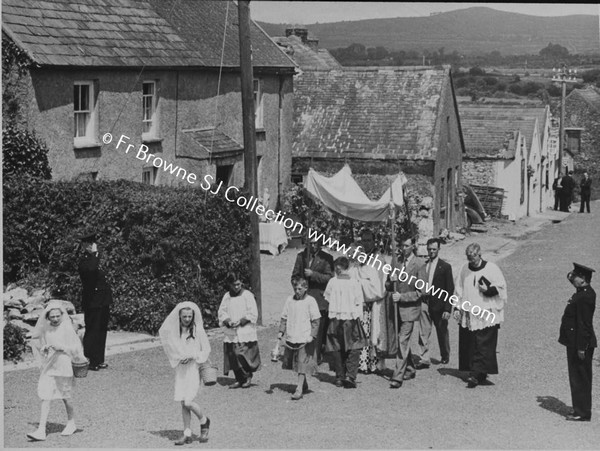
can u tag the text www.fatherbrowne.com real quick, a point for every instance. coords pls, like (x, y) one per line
(421, 285)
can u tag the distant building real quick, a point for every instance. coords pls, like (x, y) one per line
(303, 48)
(383, 120)
(149, 72)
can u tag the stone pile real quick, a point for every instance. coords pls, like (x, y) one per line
(23, 309)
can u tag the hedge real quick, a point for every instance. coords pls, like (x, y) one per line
(159, 245)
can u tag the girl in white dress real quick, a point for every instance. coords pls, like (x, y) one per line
(186, 344)
(55, 345)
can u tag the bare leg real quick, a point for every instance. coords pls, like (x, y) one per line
(301, 383)
(70, 410)
(187, 417)
(40, 433)
(193, 407)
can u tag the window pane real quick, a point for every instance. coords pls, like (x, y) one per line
(76, 98)
(85, 98)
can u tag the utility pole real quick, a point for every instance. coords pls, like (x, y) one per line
(250, 163)
(563, 76)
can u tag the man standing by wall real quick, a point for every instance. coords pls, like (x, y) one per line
(438, 273)
(480, 286)
(96, 298)
(568, 184)
(557, 187)
(586, 191)
(316, 266)
(408, 304)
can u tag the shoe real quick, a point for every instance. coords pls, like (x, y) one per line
(37, 436)
(69, 429)
(204, 431)
(235, 385)
(184, 440)
(422, 366)
(305, 387)
(349, 383)
(577, 418)
(472, 382)
(395, 384)
(409, 376)
(103, 366)
(339, 383)
(94, 368)
(296, 396)
(445, 361)
(247, 383)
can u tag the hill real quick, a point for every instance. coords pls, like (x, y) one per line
(471, 30)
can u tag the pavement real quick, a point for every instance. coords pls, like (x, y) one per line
(501, 239)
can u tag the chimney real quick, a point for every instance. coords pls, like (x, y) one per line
(313, 43)
(301, 32)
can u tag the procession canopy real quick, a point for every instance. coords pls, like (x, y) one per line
(341, 194)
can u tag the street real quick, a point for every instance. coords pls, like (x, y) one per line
(130, 404)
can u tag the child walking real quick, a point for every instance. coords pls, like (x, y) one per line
(238, 315)
(55, 345)
(186, 344)
(300, 324)
(345, 334)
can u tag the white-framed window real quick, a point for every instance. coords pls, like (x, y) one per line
(258, 103)
(149, 110)
(84, 113)
(149, 175)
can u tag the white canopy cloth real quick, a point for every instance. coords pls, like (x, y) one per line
(341, 193)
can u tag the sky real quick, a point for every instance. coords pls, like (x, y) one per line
(303, 13)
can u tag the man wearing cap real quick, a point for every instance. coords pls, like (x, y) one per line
(577, 334)
(96, 298)
(316, 266)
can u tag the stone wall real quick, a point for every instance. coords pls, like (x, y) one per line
(478, 172)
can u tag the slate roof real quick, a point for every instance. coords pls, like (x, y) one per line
(304, 56)
(590, 95)
(388, 111)
(489, 129)
(130, 33)
(209, 141)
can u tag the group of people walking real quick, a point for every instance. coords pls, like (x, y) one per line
(564, 188)
(342, 311)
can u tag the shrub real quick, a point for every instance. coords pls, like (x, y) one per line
(476, 71)
(159, 245)
(23, 153)
(15, 344)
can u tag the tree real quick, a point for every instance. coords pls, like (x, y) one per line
(476, 71)
(554, 51)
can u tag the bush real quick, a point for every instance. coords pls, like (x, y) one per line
(476, 71)
(15, 344)
(23, 153)
(160, 245)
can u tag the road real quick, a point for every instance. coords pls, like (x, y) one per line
(130, 405)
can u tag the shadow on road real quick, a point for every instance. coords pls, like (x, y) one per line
(462, 375)
(554, 405)
(225, 381)
(324, 377)
(170, 434)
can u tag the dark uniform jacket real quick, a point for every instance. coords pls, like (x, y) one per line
(322, 267)
(96, 290)
(442, 279)
(585, 186)
(576, 328)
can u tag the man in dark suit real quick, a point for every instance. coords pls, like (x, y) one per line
(407, 299)
(585, 187)
(557, 187)
(437, 273)
(316, 266)
(577, 334)
(96, 298)
(566, 193)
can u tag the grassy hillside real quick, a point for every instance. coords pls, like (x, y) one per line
(470, 30)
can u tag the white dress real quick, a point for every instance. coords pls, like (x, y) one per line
(56, 380)
(187, 376)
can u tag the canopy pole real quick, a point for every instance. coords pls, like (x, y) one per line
(394, 255)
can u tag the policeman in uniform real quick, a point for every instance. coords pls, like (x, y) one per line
(96, 298)
(577, 334)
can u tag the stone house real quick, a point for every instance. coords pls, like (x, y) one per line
(582, 133)
(513, 148)
(381, 121)
(163, 73)
(304, 49)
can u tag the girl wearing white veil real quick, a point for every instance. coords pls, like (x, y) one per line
(56, 345)
(186, 344)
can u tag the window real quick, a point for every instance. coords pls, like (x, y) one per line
(297, 179)
(149, 175)
(573, 140)
(149, 110)
(443, 199)
(84, 113)
(224, 173)
(258, 104)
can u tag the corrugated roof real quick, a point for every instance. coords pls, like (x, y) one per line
(487, 129)
(304, 56)
(117, 33)
(387, 111)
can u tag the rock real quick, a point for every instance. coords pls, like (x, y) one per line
(23, 325)
(31, 307)
(456, 236)
(16, 293)
(480, 228)
(14, 313)
(12, 304)
(38, 301)
(41, 293)
(32, 317)
(68, 305)
(427, 203)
